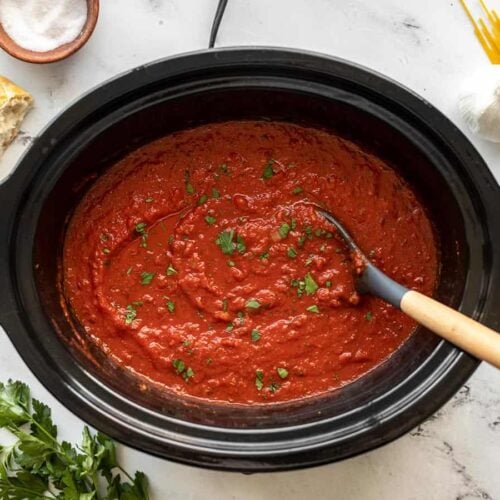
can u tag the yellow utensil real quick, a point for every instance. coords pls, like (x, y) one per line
(488, 36)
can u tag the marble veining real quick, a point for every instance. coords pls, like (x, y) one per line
(427, 46)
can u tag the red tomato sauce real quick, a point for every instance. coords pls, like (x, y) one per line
(199, 263)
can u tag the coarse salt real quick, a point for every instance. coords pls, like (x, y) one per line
(43, 25)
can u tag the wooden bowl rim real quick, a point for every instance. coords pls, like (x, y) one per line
(59, 53)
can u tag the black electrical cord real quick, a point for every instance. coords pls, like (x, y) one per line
(217, 20)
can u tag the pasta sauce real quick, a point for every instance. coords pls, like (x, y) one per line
(199, 263)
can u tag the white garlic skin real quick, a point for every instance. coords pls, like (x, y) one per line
(479, 104)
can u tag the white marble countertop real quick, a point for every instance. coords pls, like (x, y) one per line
(425, 44)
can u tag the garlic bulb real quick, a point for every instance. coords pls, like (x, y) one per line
(479, 104)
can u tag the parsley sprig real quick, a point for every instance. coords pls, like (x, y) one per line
(39, 466)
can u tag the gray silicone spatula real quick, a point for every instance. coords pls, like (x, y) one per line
(471, 336)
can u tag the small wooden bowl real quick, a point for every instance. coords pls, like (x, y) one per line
(61, 52)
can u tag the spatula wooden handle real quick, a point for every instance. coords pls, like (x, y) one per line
(464, 332)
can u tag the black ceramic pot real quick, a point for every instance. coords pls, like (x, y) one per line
(461, 195)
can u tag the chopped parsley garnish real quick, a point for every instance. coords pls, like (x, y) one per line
(215, 194)
(369, 316)
(291, 252)
(313, 309)
(282, 372)
(231, 263)
(189, 188)
(283, 230)
(274, 386)
(252, 304)
(268, 171)
(311, 285)
(299, 285)
(297, 190)
(309, 232)
(265, 255)
(170, 306)
(319, 232)
(186, 343)
(293, 223)
(230, 327)
(224, 305)
(130, 315)
(188, 374)
(140, 228)
(226, 243)
(240, 244)
(259, 379)
(210, 220)
(181, 369)
(224, 168)
(203, 198)
(328, 284)
(255, 335)
(179, 365)
(147, 278)
(171, 270)
(301, 241)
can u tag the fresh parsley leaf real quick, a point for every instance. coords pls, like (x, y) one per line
(291, 252)
(226, 242)
(179, 366)
(283, 230)
(203, 198)
(274, 386)
(265, 255)
(268, 171)
(282, 372)
(259, 379)
(369, 316)
(170, 306)
(215, 193)
(171, 270)
(130, 314)
(146, 278)
(188, 374)
(224, 168)
(140, 228)
(297, 190)
(311, 285)
(255, 335)
(230, 327)
(210, 220)
(252, 304)
(240, 244)
(328, 284)
(314, 309)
